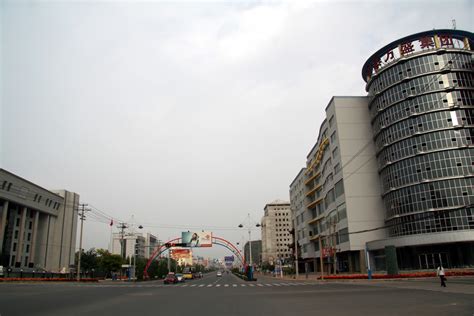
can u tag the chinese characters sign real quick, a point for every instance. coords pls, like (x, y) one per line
(411, 47)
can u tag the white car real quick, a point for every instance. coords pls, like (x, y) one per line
(219, 274)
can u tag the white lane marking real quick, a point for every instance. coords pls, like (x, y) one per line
(201, 285)
(209, 285)
(217, 285)
(276, 284)
(226, 285)
(193, 285)
(252, 285)
(268, 284)
(234, 285)
(259, 284)
(243, 285)
(185, 285)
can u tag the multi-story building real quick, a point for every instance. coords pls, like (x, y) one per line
(144, 245)
(256, 252)
(275, 227)
(299, 216)
(393, 172)
(341, 193)
(37, 226)
(421, 102)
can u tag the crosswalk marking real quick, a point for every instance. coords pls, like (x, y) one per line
(202, 285)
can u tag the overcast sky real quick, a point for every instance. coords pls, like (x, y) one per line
(185, 114)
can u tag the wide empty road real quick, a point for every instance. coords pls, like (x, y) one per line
(228, 295)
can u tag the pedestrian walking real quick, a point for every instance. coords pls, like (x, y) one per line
(442, 277)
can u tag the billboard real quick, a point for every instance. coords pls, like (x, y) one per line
(197, 239)
(184, 256)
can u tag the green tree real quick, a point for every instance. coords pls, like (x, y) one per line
(88, 260)
(108, 262)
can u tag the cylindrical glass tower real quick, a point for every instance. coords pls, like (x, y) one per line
(421, 91)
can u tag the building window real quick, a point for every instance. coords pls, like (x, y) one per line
(331, 121)
(343, 235)
(31, 225)
(337, 168)
(14, 246)
(17, 222)
(335, 152)
(29, 236)
(333, 137)
(27, 248)
(339, 188)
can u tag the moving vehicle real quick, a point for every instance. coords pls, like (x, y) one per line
(170, 279)
(187, 273)
(180, 277)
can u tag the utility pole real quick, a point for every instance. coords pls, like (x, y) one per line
(296, 253)
(122, 227)
(321, 256)
(334, 241)
(82, 217)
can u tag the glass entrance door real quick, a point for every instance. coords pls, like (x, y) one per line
(431, 261)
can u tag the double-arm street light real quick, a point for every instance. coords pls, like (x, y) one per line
(249, 227)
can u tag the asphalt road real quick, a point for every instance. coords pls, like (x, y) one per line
(228, 295)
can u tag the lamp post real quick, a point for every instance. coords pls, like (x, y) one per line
(249, 227)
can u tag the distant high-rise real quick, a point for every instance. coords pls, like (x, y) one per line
(276, 225)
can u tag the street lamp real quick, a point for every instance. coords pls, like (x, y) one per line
(249, 227)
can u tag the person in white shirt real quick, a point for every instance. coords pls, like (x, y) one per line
(440, 273)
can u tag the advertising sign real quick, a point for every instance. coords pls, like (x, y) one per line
(183, 256)
(197, 239)
(229, 259)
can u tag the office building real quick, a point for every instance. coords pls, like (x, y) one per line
(275, 227)
(37, 226)
(421, 102)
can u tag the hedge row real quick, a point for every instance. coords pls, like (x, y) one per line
(46, 280)
(395, 276)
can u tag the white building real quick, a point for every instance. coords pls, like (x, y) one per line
(145, 244)
(37, 226)
(276, 225)
(342, 193)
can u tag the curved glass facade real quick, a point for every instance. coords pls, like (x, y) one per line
(422, 114)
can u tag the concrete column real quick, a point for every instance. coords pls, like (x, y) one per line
(362, 261)
(21, 239)
(3, 223)
(33, 238)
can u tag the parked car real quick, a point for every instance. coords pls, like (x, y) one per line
(170, 278)
(180, 277)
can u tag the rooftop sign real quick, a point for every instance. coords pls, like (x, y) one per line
(413, 44)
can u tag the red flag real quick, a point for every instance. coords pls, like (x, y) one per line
(111, 222)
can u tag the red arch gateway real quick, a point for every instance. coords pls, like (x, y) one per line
(216, 241)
